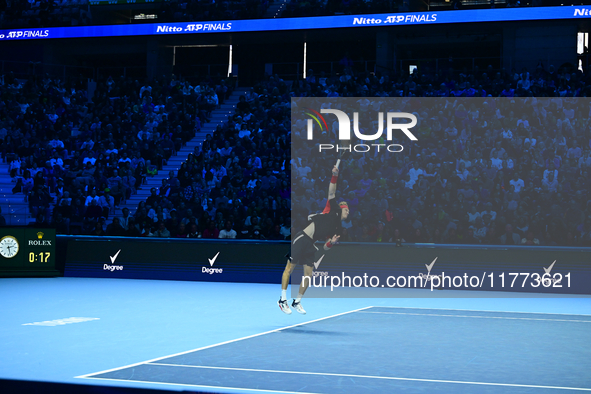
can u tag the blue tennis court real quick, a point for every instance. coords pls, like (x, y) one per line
(380, 349)
(205, 336)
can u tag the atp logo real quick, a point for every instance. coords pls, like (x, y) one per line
(344, 130)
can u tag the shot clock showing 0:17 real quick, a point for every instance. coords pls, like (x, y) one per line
(41, 257)
(27, 251)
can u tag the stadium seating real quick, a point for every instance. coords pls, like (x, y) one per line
(53, 13)
(228, 162)
(44, 13)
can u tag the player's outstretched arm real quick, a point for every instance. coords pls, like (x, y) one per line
(332, 188)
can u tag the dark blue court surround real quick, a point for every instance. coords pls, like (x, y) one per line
(390, 349)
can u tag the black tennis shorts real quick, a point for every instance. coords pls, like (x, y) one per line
(303, 250)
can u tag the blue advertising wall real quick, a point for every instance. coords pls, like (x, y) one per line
(483, 268)
(325, 22)
(175, 259)
(264, 261)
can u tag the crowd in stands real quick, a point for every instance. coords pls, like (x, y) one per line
(306, 8)
(194, 10)
(44, 13)
(53, 13)
(74, 160)
(497, 172)
(237, 185)
(522, 179)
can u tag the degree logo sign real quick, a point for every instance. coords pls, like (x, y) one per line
(211, 271)
(112, 267)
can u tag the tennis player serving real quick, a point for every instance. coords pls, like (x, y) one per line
(322, 227)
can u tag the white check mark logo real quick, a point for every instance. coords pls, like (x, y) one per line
(549, 268)
(211, 261)
(316, 264)
(430, 266)
(113, 258)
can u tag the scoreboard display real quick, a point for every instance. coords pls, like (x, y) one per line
(27, 251)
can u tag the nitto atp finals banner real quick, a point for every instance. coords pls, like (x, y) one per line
(325, 22)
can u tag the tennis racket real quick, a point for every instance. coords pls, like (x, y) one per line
(343, 153)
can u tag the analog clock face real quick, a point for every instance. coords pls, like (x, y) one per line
(8, 247)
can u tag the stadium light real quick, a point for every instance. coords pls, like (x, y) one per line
(305, 56)
(582, 42)
(230, 62)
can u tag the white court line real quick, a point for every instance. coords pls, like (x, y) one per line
(477, 317)
(381, 377)
(477, 310)
(219, 344)
(204, 386)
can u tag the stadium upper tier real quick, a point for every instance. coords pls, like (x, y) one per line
(61, 13)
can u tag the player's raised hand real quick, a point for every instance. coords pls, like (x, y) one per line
(335, 171)
(335, 239)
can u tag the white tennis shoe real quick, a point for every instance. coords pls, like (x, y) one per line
(298, 307)
(284, 306)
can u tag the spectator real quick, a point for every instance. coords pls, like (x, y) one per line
(194, 233)
(92, 197)
(473, 215)
(133, 228)
(211, 232)
(550, 184)
(124, 220)
(509, 238)
(107, 203)
(98, 229)
(517, 183)
(530, 240)
(285, 230)
(114, 229)
(227, 231)
(162, 231)
(182, 231)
